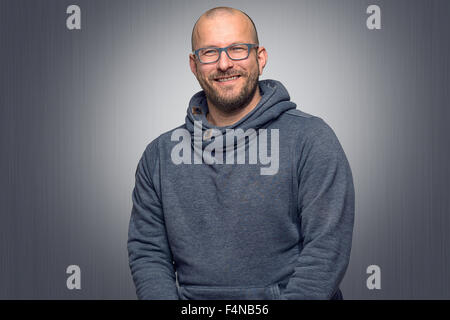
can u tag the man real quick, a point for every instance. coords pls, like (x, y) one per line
(216, 217)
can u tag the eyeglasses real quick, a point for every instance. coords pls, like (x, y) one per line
(238, 51)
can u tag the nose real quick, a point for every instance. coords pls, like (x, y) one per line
(224, 62)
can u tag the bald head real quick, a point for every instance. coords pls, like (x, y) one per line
(218, 13)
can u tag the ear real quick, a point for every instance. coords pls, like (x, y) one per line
(261, 55)
(193, 64)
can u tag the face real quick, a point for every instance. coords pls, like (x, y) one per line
(221, 31)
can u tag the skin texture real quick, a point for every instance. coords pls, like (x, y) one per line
(227, 102)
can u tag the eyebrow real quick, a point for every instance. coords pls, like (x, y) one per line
(213, 46)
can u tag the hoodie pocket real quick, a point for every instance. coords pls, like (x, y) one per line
(271, 292)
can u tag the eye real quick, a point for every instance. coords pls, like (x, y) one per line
(209, 52)
(238, 48)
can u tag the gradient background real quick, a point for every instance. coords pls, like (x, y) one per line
(79, 107)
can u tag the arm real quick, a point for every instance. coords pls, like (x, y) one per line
(149, 253)
(326, 202)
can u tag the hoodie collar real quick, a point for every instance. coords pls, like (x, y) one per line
(275, 100)
(268, 108)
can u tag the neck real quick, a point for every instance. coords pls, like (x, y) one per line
(223, 119)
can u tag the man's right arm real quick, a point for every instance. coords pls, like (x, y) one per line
(149, 253)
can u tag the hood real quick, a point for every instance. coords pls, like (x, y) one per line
(275, 100)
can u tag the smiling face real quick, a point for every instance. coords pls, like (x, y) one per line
(229, 85)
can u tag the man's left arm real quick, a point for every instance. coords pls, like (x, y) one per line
(326, 203)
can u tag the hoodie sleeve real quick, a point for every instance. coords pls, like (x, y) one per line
(326, 203)
(149, 253)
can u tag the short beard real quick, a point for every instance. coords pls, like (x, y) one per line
(231, 105)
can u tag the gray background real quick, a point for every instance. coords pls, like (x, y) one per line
(79, 107)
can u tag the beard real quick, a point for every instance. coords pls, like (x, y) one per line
(224, 101)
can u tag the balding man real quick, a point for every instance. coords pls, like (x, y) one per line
(250, 198)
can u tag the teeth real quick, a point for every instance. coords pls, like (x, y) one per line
(227, 79)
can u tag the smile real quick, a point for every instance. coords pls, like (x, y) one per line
(228, 79)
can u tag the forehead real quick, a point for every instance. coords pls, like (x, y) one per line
(223, 30)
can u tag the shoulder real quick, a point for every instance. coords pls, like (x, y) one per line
(308, 127)
(153, 150)
(313, 135)
(299, 113)
(161, 140)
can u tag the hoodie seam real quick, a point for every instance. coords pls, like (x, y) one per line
(299, 116)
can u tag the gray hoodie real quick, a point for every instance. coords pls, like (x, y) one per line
(216, 217)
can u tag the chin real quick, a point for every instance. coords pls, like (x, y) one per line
(230, 95)
(229, 90)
